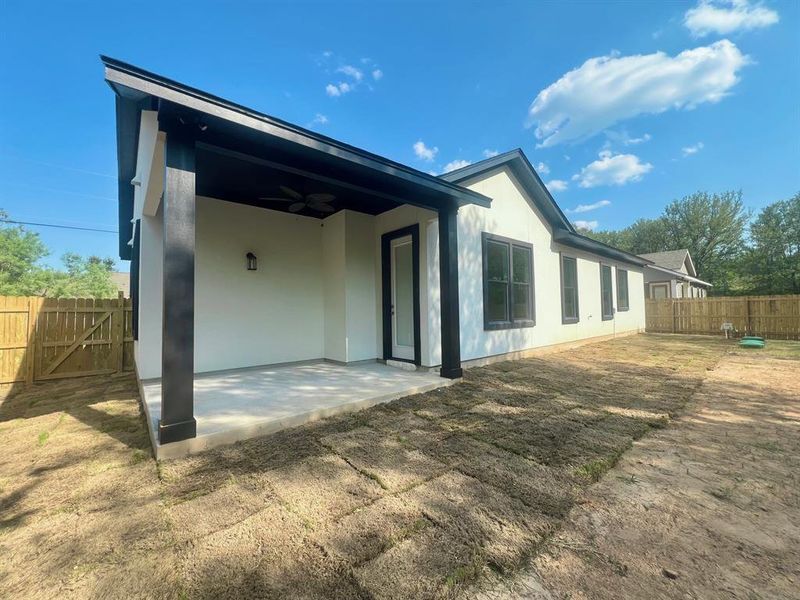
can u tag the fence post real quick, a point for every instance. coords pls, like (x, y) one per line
(674, 316)
(118, 331)
(34, 305)
(748, 323)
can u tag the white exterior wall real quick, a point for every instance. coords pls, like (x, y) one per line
(361, 317)
(317, 291)
(312, 297)
(514, 216)
(242, 318)
(271, 315)
(349, 286)
(333, 274)
(147, 350)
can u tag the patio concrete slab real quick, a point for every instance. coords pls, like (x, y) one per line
(239, 404)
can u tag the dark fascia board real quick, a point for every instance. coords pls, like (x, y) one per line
(526, 174)
(576, 240)
(563, 231)
(123, 75)
(127, 118)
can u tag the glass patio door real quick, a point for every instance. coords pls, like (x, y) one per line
(402, 267)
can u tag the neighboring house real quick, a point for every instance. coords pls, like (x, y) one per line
(122, 281)
(256, 242)
(672, 275)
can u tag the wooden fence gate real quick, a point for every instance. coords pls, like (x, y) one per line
(52, 338)
(776, 317)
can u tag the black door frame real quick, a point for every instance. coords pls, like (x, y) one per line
(386, 289)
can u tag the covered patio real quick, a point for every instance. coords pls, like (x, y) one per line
(242, 403)
(198, 178)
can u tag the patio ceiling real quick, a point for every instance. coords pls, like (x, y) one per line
(247, 180)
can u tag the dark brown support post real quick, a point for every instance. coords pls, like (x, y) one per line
(177, 343)
(448, 284)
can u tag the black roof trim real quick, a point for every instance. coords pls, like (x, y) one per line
(581, 242)
(524, 171)
(146, 80)
(563, 231)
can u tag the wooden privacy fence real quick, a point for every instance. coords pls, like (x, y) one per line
(776, 317)
(51, 338)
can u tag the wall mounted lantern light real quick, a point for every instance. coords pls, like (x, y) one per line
(252, 262)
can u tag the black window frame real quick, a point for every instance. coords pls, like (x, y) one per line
(511, 322)
(623, 306)
(565, 320)
(606, 316)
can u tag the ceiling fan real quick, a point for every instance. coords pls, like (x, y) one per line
(315, 201)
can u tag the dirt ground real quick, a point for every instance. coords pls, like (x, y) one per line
(486, 488)
(706, 508)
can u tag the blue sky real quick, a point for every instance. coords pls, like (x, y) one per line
(628, 105)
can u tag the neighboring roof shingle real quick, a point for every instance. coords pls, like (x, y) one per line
(671, 259)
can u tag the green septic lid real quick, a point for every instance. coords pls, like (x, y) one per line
(751, 343)
(753, 337)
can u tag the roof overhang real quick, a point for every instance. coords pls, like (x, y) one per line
(563, 231)
(587, 244)
(679, 275)
(232, 128)
(520, 166)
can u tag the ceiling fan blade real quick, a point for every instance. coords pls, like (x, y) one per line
(297, 207)
(325, 208)
(275, 199)
(291, 193)
(319, 197)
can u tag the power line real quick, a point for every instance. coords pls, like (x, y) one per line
(66, 167)
(58, 191)
(58, 226)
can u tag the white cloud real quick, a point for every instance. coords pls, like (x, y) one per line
(582, 208)
(319, 119)
(490, 153)
(556, 185)
(590, 225)
(456, 164)
(336, 90)
(633, 141)
(693, 149)
(377, 74)
(612, 169)
(727, 16)
(423, 152)
(608, 89)
(351, 71)
(542, 169)
(622, 137)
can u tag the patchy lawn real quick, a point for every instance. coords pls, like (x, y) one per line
(707, 508)
(420, 498)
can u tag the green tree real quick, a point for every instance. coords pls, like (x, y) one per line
(85, 277)
(712, 227)
(641, 237)
(773, 261)
(21, 273)
(20, 252)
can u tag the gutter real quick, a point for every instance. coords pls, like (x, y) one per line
(679, 275)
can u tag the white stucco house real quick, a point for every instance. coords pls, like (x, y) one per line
(671, 274)
(278, 275)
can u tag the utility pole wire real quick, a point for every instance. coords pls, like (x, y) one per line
(58, 226)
